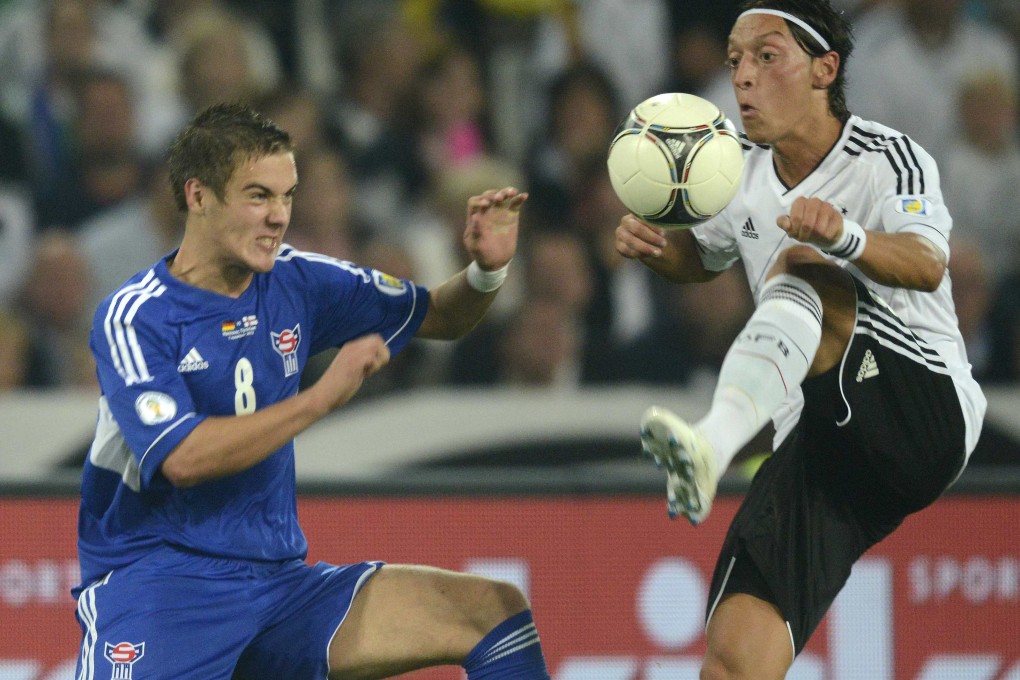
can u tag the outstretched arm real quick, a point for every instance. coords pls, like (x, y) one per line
(490, 237)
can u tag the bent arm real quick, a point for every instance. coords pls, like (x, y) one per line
(454, 309)
(680, 261)
(225, 445)
(672, 255)
(490, 238)
(902, 260)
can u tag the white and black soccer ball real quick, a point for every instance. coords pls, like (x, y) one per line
(675, 160)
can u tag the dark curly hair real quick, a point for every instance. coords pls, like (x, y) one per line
(831, 25)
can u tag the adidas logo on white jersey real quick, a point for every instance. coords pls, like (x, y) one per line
(192, 362)
(748, 231)
(869, 367)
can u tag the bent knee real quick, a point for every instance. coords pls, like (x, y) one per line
(797, 258)
(714, 668)
(831, 281)
(507, 599)
(483, 602)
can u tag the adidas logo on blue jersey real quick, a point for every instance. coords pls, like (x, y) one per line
(192, 362)
(748, 231)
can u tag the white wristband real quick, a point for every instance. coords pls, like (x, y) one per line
(851, 242)
(483, 281)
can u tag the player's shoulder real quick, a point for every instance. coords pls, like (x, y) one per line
(140, 300)
(757, 159)
(890, 152)
(294, 264)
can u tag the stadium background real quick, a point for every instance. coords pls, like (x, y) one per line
(558, 501)
(541, 484)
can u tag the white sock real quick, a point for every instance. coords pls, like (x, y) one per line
(770, 357)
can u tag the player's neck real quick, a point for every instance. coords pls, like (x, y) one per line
(800, 153)
(214, 276)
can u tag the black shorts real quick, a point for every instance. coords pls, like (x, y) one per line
(881, 435)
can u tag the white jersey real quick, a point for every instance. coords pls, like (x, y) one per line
(880, 179)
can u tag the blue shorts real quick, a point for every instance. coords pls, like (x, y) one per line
(178, 615)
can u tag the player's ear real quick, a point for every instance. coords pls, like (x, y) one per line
(824, 70)
(195, 194)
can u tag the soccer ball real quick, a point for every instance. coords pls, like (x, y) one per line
(675, 160)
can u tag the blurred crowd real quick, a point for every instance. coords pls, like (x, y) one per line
(401, 109)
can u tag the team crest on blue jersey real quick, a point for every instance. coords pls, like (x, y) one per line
(242, 328)
(390, 285)
(155, 407)
(123, 656)
(286, 343)
(914, 206)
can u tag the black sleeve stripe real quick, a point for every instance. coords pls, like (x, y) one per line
(896, 168)
(879, 144)
(920, 173)
(903, 162)
(906, 165)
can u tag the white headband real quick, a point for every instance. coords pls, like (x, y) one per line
(797, 20)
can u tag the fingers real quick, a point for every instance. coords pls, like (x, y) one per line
(636, 239)
(509, 197)
(367, 354)
(357, 360)
(811, 220)
(378, 359)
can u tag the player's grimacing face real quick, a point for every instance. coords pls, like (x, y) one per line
(771, 76)
(250, 223)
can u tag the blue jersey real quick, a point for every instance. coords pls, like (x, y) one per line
(169, 355)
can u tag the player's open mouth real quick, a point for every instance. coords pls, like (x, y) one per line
(267, 242)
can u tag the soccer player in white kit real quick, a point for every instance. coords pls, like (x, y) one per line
(853, 349)
(192, 557)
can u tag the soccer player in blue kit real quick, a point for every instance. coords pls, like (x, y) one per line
(192, 560)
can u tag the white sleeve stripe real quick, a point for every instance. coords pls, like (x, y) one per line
(414, 305)
(108, 324)
(289, 253)
(164, 433)
(125, 350)
(109, 316)
(136, 349)
(135, 369)
(292, 253)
